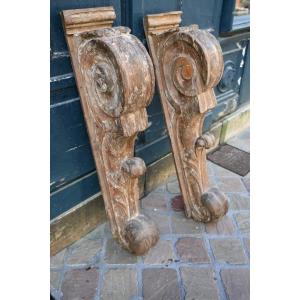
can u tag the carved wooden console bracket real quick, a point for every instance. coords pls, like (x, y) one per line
(115, 78)
(188, 63)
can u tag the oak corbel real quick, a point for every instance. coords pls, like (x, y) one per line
(115, 79)
(188, 63)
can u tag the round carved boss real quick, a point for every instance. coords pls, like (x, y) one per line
(192, 62)
(228, 79)
(119, 73)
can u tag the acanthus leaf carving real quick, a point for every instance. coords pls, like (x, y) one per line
(115, 78)
(188, 63)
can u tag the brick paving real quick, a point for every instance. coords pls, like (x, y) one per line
(190, 261)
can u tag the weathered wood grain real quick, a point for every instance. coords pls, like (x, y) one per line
(188, 63)
(115, 78)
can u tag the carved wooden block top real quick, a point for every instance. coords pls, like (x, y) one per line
(87, 19)
(159, 23)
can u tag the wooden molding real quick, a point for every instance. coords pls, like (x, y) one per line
(115, 78)
(162, 22)
(188, 63)
(81, 20)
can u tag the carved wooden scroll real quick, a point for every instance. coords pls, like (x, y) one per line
(188, 63)
(115, 78)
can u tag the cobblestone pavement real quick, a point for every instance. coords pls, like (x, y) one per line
(190, 261)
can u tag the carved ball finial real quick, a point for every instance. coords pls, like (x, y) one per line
(141, 234)
(206, 141)
(134, 166)
(216, 202)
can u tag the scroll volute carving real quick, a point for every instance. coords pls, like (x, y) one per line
(115, 78)
(188, 63)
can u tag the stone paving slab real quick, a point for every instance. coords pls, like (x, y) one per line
(236, 283)
(182, 225)
(228, 251)
(84, 252)
(161, 253)
(243, 221)
(199, 283)
(223, 226)
(160, 283)
(115, 254)
(80, 284)
(190, 249)
(191, 260)
(238, 201)
(119, 284)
